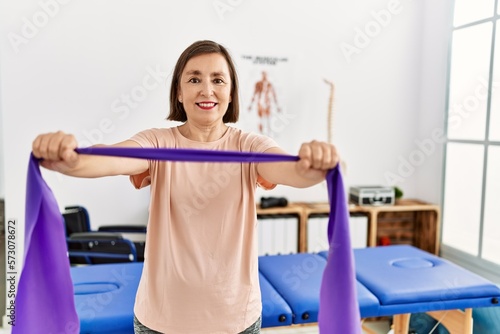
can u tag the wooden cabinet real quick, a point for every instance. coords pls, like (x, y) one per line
(407, 222)
(269, 215)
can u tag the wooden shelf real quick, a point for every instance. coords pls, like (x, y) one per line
(292, 208)
(409, 221)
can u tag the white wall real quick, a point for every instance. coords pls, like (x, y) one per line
(72, 72)
(436, 27)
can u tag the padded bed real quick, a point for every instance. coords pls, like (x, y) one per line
(391, 281)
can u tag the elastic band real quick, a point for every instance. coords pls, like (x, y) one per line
(45, 299)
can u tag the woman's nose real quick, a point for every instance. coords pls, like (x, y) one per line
(207, 89)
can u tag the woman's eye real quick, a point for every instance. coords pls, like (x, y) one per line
(218, 81)
(194, 80)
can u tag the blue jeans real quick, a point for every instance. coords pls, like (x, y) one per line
(141, 329)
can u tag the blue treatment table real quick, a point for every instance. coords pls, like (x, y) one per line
(297, 277)
(391, 281)
(105, 296)
(408, 280)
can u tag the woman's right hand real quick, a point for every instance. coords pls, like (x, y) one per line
(57, 150)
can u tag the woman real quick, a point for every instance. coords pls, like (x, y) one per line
(200, 272)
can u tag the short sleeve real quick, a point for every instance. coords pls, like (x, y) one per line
(261, 144)
(145, 138)
(263, 183)
(141, 180)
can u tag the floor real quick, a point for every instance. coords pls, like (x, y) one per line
(376, 327)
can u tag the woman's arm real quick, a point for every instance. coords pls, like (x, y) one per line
(58, 153)
(316, 158)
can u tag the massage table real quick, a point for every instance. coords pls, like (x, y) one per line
(105, 295)
(391, 281)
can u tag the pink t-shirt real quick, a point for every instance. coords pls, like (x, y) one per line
(201, 270)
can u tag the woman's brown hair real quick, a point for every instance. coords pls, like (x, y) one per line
(177, 112)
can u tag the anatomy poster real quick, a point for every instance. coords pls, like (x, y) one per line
(264, 94)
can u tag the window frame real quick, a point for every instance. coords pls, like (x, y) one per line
(485, 268)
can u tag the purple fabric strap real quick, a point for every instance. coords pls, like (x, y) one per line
(338, 305)
(178, 154)
(45, 302)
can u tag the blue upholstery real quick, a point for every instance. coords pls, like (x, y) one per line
(391, 280)
(275, 310)
(297, 277)
(105, 295)
(408, 280)
(368, 304)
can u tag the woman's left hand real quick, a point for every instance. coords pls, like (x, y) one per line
(316, 158)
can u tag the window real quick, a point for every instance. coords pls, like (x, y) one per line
(467, 11)
(471, 192)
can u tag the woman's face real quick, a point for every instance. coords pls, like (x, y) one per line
(205, 89)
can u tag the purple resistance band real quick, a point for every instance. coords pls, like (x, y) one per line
(45, 301)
